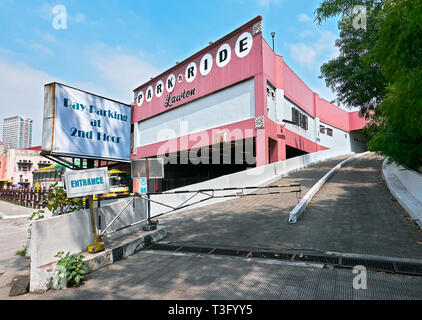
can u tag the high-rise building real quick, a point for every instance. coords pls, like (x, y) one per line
(17, 132)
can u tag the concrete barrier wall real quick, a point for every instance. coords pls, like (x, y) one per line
(73, 232)
(260, 176)
(69, 233)
(410, 179)
(133, 211)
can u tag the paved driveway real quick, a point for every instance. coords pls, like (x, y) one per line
(154, 275)
(354, 212)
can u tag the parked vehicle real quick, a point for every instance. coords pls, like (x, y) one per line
(120, 181)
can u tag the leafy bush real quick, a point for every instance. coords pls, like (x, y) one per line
(59, 204)
(72, 268)
(37, 215)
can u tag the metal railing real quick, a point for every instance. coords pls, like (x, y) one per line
(209, 193)
(26, 197)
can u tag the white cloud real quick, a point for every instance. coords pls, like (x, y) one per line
(48, 37)
(305, 33)
(303, 17)
(268, 3)
(311, 55)
(304, 54)
(22, 93)
(41, 48)
(120, 71)
(78, 18)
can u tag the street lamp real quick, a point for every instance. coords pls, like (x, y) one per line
(273, 35)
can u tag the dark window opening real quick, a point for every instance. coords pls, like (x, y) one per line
(292, 152)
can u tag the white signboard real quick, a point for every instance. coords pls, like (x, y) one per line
(80, 183)
(152, 168)
(80, 124)
(143, 186)
(140, 185)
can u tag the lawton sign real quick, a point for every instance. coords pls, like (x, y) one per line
(81, 183)
(170, 99)
(81, 124)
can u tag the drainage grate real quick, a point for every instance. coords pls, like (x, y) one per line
(315, 258)
(271, 255)
(231, 252)
(195, 249)
(376, 265)
(163, 247)
(345, 262)
(409, 268)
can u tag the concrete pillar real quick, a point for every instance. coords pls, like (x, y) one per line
(261, 148)
(281, 148)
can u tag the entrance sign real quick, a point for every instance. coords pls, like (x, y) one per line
(88, 182)
(80, 124)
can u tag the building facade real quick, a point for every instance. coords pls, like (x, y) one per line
(17, 132)
(21, 163)
(235, 97)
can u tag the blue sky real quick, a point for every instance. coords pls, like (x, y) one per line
(110, 47)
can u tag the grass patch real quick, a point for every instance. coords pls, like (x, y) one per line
(22, 252)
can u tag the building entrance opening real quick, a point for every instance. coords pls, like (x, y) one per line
(201, 164)
(292, 152)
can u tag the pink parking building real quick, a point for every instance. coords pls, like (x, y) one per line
(233, 105)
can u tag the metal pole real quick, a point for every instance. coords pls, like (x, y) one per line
(149, 202)
(94, 229)
(97, 246)
(273, 35)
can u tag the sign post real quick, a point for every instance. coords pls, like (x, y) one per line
(97, 246)
(87, 183)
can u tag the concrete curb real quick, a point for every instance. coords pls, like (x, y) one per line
(117, 250)
(412, 205)
(301, 206)
(231, 258)
(23, 216)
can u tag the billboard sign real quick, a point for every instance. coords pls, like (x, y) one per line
(81, 183)
(81, 124)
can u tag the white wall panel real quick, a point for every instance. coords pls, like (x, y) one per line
(287, 114)
(227, 106)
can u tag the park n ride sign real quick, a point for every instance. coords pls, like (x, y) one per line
(80, 124)
(81, 183)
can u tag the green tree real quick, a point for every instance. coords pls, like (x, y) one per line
(356, 82)
(379, 70)
(397, 129)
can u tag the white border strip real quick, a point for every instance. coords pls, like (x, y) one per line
(301, 206)
(4, 217)
(406, 199)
